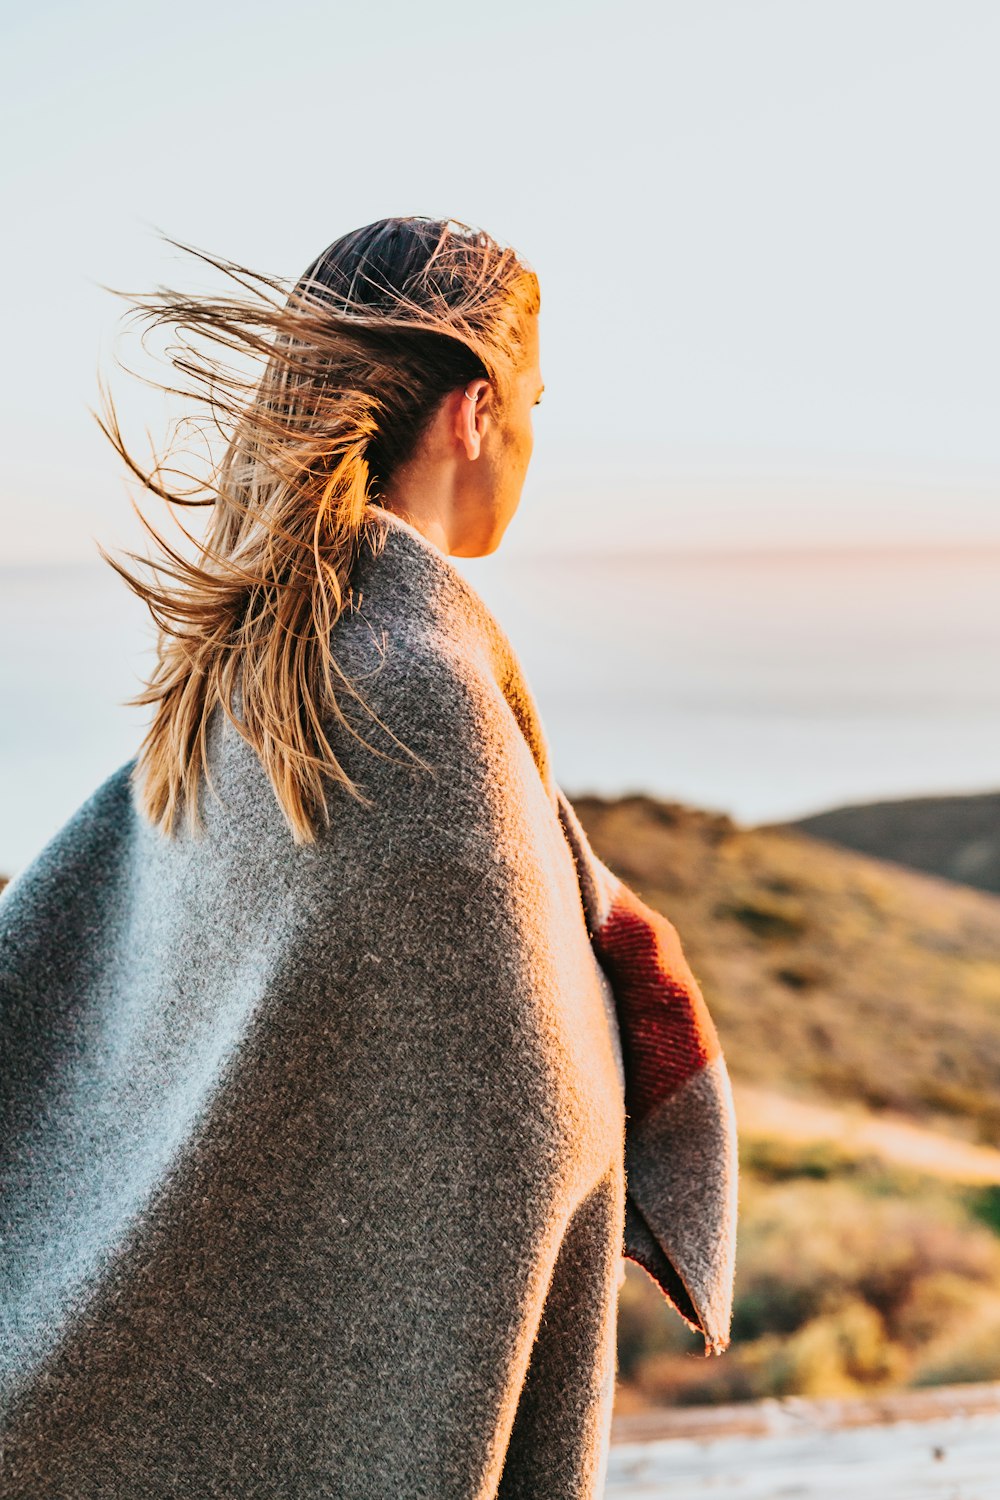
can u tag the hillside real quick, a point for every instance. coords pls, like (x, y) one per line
(957, 837)
(859, 1008)
(830, 974)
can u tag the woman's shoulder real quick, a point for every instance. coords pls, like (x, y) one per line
(431, 665)
(415, 637)
(404, 584)
(432, 714)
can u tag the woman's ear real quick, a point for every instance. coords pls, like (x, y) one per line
(471, 420)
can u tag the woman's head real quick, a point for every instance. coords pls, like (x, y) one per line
(403, 362)
(453, 359)
(456, 401)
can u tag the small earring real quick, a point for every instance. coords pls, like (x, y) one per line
(468, 397)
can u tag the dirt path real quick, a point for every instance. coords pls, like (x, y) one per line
(893, 1138)
(939, 1444)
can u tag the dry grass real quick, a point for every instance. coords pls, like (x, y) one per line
(852, 1278)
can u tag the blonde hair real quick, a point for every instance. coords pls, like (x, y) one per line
(345, 370)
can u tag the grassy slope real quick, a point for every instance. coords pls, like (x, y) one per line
(829, 973)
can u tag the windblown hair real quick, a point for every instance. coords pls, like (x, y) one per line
(333, 385)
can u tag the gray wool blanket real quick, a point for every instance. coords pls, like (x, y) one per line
(318, 1163)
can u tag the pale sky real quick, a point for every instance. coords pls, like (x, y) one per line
(767, 234)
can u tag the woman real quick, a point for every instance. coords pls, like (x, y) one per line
(341, 1071)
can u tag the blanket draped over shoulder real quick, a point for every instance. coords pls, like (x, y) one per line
(316, 1168)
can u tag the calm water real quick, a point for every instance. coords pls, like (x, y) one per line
(767, 686)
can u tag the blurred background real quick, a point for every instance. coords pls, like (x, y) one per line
(754, 576)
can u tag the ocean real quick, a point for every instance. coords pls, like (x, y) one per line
(765, 685)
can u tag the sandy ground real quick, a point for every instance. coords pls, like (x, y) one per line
(916, 1445)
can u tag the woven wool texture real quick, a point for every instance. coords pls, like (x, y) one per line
(316, 1166)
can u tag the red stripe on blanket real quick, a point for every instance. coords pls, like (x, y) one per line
(667, 1032)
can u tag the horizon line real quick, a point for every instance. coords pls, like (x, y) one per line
(599, 552)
